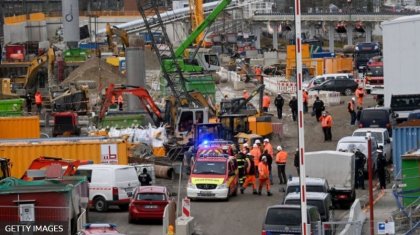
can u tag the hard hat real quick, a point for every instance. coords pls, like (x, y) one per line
(257, 142)
(245, 145)
(279, 148)
(324, 112)
(379, 151)
(245, 91)
(249, 154)
(352, 98)
(279, 93)
(255, 146)
(264, 158)
(266, 140)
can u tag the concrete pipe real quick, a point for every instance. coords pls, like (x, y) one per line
(165, 172)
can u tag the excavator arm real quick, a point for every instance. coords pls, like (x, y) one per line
(33, 68)
(145, 99)
(121, 33)
(45, 162)
(258, 90)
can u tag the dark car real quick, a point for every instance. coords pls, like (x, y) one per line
(344, 86)
(287, 219)
(377, 118)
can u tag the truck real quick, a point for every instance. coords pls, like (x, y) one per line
(374, 78)
(363, 52)
(401, 53)
(340, 177)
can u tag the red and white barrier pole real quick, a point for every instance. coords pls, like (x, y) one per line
(298, 46)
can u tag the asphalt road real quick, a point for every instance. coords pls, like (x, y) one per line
(244, 214)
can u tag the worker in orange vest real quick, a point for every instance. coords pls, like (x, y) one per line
(326, 123)
(250, 174)
(120, 102)
(266, 102)
(113, 100)
(281, 160)
(258, 72)
(351, 107)
(245, 94)
(38, 101)
(305, 101)
(359, 93)
(268, 146)
(256, 153)
(264, 175)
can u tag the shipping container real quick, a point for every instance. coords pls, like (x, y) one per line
(11, 107)
(122, 121)
(19, 127)
(404, 139)
(411, 177)
(97, 149)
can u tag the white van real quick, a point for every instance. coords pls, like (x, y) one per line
(322, 78)
(109, 184)
(349, 143)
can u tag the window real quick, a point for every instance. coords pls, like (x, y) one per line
(199, 116)
(283, 216)
(212, 59)
(87, 173)
(186, 121)
(151, 197)
(215, 168)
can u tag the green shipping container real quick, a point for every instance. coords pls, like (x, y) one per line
(75, 55)
(11, 107)
(411, 177)
(122, 121)
(202, 83)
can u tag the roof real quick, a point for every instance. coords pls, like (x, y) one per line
(152, 189)
(309, 195)
(13, 185)
(403, 19)
(371, 130)
(99, 166)
(353, 139)
(309, 180)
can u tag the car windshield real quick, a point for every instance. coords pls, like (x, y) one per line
(213, 168)
(377, 135)
(374, 115)
(316, 203)
(151, 197)
(283, 216)
(375, 71)
(309, 188)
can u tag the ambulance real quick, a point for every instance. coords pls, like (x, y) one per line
(213, 176)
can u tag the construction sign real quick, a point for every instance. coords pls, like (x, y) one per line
(109, 153)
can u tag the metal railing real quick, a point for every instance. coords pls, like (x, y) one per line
(81, 221)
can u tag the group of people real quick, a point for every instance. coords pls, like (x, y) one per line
(256, 163)
(356, 109)
(118, 101)
(38, 102)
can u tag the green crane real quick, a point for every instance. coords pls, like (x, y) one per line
(168, 64)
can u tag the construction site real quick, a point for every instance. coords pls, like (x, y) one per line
(91, 89)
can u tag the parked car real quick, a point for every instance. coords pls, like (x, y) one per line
(149, 202)
(317, 80)
(287, 219)
(378, 117)
(382, 137)
(349, 143)
(99, 229)
(312, 185)
(322, 201)
(344, 86)
(109, 184)
(414, 115)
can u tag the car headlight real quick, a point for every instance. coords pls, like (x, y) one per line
(222, 186)
(191, 185)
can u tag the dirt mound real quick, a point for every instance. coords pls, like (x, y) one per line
(97, 71)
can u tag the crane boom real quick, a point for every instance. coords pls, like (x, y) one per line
(200, 29)
(197, 17)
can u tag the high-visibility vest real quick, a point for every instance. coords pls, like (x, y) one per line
(263, 170)
(38, 98)
(326, 121)
(305, 97)
(269, 148)
(266, 101)
(256, 152)
(281, 157)
(120, 99)
(113, 100)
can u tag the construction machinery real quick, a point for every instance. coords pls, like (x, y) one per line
(66, 124)
(30, 78)
(40, 166)
(197, 17)
(121, 33)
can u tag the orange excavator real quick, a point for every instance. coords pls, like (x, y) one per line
(145, 99)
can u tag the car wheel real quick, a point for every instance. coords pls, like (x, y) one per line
(348, 92)
(123, 207)
(100, 204)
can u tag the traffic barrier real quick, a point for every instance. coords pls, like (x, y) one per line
(333, 98)
(186, 207)
(279, 84)
(356, 218)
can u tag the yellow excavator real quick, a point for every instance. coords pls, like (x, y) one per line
(121, 33)
(30, 78)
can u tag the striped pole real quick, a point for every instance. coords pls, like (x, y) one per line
(298, 46)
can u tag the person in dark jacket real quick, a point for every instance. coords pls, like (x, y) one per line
(294, 107)
(359, 171)
(28, 100)
(381, 169)
(359, 113)
(240, 159)
(279, 102)
(318, 107)
(296, 161)
(145, 178)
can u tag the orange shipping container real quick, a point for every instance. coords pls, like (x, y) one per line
(19, 127)
(100, 150)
